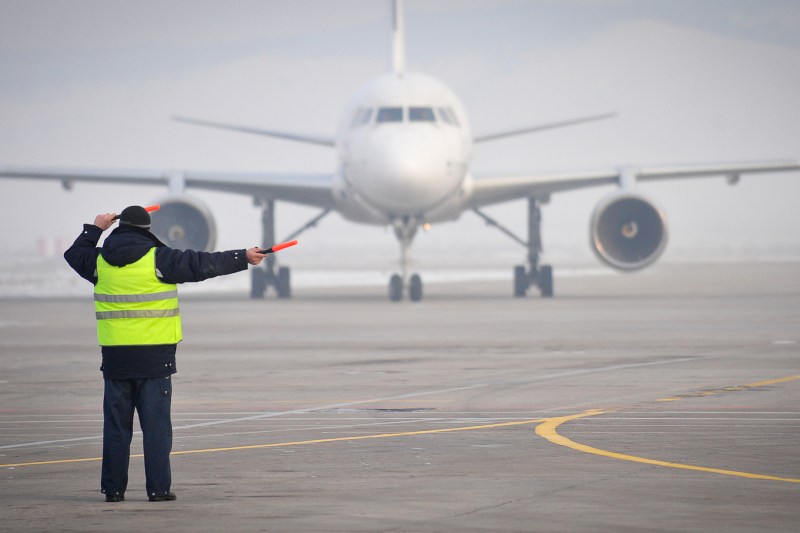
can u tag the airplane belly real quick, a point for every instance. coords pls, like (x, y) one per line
(355, 210)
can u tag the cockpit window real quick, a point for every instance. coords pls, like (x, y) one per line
(421, 114)
(362, 116)
(390, 114)
(448, 116)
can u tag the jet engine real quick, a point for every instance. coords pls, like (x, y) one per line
(184, 223)
(628, 232)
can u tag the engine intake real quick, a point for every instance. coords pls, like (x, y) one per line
(628, 232)
(184, 223)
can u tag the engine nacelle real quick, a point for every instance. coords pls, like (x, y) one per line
(184, 223)
(628, 232)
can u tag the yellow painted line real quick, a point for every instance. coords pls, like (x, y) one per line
(361, 437)
(86, 459)
(548, 430)
(736, 388)
(297, 443)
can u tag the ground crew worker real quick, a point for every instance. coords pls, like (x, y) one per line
(138, 329)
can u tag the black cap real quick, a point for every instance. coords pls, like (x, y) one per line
(136, 216)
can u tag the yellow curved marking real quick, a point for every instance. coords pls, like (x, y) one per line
(298, 443)
(548, 430)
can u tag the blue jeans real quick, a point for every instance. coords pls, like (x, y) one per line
(151, 398)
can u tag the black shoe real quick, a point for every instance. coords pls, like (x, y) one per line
(115, 497)
(164, 498)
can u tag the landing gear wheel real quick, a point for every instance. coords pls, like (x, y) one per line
(520, 281)
(546, 281)
(415, 288)
(258, 283)
(395, 288)
(284, 286)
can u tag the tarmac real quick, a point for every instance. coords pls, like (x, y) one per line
(667, 400)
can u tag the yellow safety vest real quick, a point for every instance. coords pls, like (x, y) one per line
(133, 307)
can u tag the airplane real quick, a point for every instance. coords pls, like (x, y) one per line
(404, 148)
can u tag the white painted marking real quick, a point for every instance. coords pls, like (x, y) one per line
(273, 414)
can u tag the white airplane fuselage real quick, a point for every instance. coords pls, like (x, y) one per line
(404, 146)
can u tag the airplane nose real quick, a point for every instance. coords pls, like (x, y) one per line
(414, 158)
(408, 171)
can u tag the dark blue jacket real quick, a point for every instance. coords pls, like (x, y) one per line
(126, 245)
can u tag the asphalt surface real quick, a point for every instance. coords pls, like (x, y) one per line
(662, 401)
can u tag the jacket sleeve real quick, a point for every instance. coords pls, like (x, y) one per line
(181, 266)
(82, 255)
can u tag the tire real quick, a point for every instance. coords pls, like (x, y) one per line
(546, 281)
(258, 283)
(520, 281)
(284, 286)
(395, 288)
(415, 288)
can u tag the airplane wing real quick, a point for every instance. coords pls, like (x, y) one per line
(541, 127)
(492, 190)
(307, 189)
(300, 137)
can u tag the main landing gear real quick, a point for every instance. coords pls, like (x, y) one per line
(270, 275)
(261, 278)
(405, 228)
(532, 274)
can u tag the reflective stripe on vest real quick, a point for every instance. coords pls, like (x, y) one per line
(135, 297)
(105, 315)
(133, 307)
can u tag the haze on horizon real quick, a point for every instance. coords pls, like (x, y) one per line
(93, 84)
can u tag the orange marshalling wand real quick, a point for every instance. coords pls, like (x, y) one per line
(149, 209)
(278, 247)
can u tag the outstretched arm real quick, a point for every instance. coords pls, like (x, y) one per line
(181, 266)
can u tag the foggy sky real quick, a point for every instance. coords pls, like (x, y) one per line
(93, 84)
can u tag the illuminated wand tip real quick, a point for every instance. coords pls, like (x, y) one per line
(279, 247)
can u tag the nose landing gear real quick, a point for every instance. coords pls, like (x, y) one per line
(396, 286)
(405, 228)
